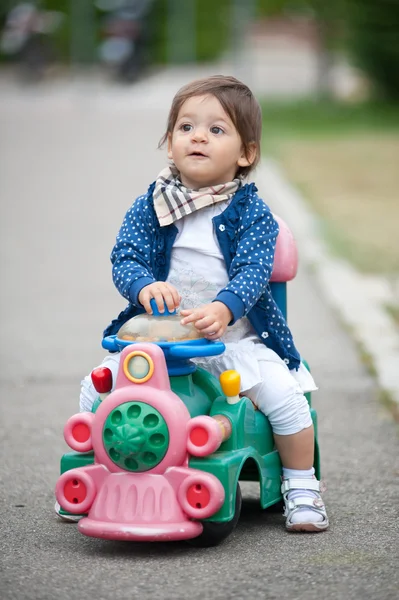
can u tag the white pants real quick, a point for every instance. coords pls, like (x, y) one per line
(279, 396)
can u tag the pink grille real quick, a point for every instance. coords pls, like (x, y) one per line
(141, 498)
(138, 507)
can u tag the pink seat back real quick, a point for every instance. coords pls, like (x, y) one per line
(286, 256)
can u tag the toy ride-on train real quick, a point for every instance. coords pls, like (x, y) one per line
(161, 455)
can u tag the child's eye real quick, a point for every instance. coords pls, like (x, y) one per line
(217, 130)
(186, 127)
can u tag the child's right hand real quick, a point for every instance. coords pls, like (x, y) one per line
(163, 293)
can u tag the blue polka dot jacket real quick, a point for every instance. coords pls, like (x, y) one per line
(246, 232)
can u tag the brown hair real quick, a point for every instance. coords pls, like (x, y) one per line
(238, 102)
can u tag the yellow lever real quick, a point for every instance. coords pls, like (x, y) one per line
(230, 382)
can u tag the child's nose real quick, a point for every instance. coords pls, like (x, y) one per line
(200, 134)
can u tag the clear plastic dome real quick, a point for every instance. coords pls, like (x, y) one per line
(150, 328)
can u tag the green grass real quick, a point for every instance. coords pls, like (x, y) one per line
(390, 404)
(393, 311)
(344, 160)
(313, 119)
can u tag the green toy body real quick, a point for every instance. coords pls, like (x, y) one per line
(248, 455)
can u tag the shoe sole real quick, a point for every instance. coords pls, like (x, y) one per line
(308, 527)
(67, 518)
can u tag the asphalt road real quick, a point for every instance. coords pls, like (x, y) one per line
(69, 167)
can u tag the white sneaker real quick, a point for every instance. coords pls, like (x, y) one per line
(69, 518)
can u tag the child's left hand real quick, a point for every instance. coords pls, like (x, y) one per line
(210, 319)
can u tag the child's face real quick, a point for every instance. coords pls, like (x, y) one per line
(204, 145)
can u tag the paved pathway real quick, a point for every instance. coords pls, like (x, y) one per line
(68, 171)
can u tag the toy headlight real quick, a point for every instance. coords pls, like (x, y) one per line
(138, 366)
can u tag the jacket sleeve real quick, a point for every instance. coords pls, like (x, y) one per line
(252, 264)
(131, 255)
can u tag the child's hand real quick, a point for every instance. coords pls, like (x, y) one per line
(162, 293)
(210, 319)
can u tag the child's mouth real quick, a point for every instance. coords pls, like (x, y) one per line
(198, 155)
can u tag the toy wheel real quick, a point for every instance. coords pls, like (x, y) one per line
(214, 533)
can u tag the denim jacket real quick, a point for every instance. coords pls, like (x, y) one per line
(246, 232)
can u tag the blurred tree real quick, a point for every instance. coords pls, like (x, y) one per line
(83, 27)
(268, 8)
(61, 37)
(373, 38)
(326, 16)
(213, 28)
(210, 30)
(181, 31)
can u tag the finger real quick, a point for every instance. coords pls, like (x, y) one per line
(194, 316)
(214, 335)
(159, 299)
(207, 330)
(175, 295)
(147, 307)
(145, 297)
(168, 299)
(206, 323)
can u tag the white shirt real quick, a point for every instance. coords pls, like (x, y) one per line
(198, 272)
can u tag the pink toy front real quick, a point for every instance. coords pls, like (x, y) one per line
(140, 487)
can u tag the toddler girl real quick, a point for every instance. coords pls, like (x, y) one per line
(202, 240)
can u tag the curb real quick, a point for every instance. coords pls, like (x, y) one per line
(359, 299)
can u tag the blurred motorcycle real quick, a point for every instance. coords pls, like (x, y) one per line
(27, 37)
(125, 35)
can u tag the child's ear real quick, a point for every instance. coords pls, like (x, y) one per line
(170, 155)
(247, 158)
